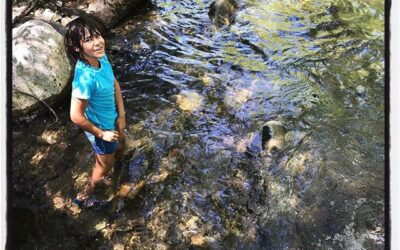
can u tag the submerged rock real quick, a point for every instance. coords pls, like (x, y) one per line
(222, 12)
(139, 177)
(189, 100)
(273, 136)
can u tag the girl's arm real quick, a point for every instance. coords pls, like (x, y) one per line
(77, 115)
(120, 107)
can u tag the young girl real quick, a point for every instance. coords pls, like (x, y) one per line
(96, 103)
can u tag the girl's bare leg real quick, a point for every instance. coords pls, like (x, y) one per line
(103, 165)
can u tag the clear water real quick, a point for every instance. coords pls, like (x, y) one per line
(315, 66)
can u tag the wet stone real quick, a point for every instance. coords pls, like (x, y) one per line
(222, 12)
(198, 240)
(273, 136)
(361, 91)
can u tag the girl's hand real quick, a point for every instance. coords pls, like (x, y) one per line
(110, 136)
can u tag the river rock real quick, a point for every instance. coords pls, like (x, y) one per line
(65, 20)
(45, 15)
(198, 240)
(273, 136)
(17, 10)
(222, 12)
(361, 91)
(40, 67)
(109, 12)
(189, 100)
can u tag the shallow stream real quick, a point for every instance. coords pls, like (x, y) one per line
(197, 98)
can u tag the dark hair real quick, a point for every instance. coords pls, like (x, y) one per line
(74, 34)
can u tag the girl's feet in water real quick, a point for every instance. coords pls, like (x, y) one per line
(83, 199)
(86, 197)
(86, 203)
(107, 180)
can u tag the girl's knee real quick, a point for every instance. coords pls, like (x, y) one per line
(105, 160)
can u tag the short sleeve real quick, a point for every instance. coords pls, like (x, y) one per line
(83, 84)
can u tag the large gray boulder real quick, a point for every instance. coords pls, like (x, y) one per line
(40, 67)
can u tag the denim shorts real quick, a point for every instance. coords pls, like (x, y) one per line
(100, 146)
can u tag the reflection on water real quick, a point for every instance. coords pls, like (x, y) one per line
(314, 66)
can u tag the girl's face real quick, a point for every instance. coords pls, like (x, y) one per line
(93, 46)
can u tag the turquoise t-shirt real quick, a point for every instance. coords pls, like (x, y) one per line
(96, 86)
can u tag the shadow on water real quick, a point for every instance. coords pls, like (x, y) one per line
(197, 99)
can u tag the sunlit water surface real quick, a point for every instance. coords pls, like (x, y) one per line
(201, 96)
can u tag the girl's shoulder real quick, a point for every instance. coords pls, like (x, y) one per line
(79, 66)
(83, 73)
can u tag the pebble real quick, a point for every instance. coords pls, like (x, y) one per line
(59, 3)
(65, 21)
(58, 202)
(16, 11)
(360, 91)
(48, 14)
(56, 18)
(101, 225)
(39, 12)
(118, 247)
(197, 240)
